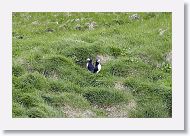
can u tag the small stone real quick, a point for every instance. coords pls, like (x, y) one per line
(91, 25)
(35, 23)
(78, 27)
(77, 20)
(134, 17)
(49, 30)
(162, 31)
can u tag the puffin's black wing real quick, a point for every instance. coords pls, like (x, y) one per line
(95, 69)
(90, 67)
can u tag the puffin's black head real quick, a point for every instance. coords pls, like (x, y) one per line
(89, 60)
(97, 62)
(89, 65)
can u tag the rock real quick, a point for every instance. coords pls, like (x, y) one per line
(35, 23)
(49, 30)
(91, 25)
(77, 20)
(78, 27)
(134, 17)
(162, 31)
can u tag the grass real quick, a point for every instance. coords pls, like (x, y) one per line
(50, 79)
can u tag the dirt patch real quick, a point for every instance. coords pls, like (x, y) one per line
(169, 57)
(104, 58)
(71, 112)
(120, 86)
(20, 61)
(120, 111)
(51, 74)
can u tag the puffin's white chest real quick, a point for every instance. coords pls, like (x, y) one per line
(99, 68)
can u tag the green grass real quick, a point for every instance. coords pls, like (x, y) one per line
(49, 57)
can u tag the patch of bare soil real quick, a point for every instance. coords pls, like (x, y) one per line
(120, 111)
(20, 61)
(71, 112)
(119, 85)
(169, 57)
(104, 58)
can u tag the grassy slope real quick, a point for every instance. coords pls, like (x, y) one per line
(49, 74)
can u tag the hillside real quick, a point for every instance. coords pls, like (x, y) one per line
(50, 78)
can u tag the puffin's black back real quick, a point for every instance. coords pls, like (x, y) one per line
(96, 67)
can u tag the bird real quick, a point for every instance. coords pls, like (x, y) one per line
(97, 67)
(89, 65)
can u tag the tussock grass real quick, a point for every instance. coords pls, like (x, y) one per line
(49, 65)
(105, 97)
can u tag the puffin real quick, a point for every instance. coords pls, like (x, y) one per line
(89, 65)
(97, 67)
